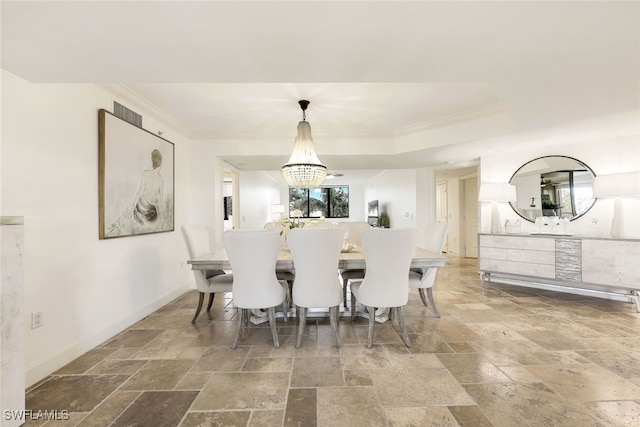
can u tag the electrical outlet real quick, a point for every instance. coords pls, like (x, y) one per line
(36, 320)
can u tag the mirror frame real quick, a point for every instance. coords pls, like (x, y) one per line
(544, 157)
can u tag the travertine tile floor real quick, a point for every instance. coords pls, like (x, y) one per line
(498, 356)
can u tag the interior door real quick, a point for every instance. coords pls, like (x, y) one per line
(442, 206)
(471, 217)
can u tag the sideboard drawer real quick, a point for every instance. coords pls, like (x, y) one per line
(521, 268)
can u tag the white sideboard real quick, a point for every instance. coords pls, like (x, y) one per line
(599, 267)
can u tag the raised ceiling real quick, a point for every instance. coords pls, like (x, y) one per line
(391, 84)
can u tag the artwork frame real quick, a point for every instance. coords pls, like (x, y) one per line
(227, 207)
(136, 179)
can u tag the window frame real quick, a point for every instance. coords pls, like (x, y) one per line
(306, 213)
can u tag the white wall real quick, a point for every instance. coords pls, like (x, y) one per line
(357, 204)
(87, 289)
(425, 201)
(603, 156)
(395, 190)
(205, 190)
(257, 193)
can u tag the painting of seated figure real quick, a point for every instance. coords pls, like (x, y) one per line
(136, 179)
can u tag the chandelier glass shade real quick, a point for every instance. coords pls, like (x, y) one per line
(304, 169)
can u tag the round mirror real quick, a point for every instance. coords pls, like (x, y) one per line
(553, 186)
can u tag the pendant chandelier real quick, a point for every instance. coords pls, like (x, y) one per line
(304, 169)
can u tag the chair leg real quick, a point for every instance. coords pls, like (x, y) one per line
(345, 283)
(433, 303)
(422, 297)
(372, 321)
(241, 316)
(289, 294)
(272, 321)
(211, 296)
(200, 301)
(302, 314)
(391, 312)
(353, 306)
(403, 328)
(335, 324)
(285, 310)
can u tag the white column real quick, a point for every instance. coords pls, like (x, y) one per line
(12, 367)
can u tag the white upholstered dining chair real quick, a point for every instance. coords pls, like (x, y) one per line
(353, 235)
(353, 230)
(318, 223)
(253, 255)
(424, 278)
(277, 226)
(196, 237)
(388, 254)
(316, 254)
(282, 274)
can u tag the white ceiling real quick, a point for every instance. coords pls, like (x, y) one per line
(391, 84)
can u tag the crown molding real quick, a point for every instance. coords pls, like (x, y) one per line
(453, 119)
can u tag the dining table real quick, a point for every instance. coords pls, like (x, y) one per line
(351, 259)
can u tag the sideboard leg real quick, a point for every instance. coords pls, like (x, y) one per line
(485, 276)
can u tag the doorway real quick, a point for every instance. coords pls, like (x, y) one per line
(230, 200)
(457, 205)
(442, 206)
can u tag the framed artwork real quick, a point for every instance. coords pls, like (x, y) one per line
(136, 179)
(227, 207)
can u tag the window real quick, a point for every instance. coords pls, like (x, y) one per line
(329, 202)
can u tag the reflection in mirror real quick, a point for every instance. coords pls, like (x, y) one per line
(553, 186)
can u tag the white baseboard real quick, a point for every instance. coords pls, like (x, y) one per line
(40, 369)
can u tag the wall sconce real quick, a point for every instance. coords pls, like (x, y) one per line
(495, 192)
(617, 186)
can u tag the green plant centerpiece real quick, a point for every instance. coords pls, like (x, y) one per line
(384, 220)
